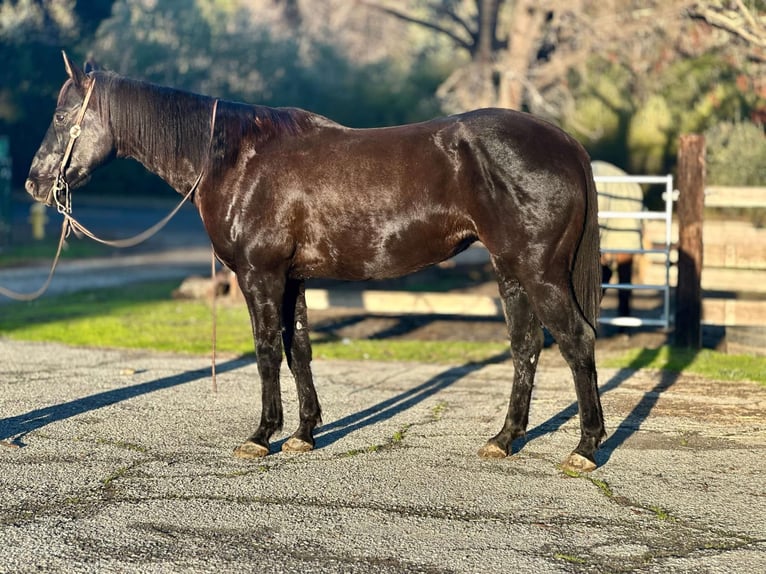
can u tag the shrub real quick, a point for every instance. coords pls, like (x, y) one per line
(736, 154)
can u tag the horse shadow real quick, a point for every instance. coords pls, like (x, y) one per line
(387, 409)
(637, 416)
(332, 432)
(14, 429)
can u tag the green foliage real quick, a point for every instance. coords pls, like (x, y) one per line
(736, 154)
(650, 131)
(636, 122)
(221, 50)
(214, 47)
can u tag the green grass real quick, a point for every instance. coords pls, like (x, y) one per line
(705, 362)
(405, 350)
(146, 317)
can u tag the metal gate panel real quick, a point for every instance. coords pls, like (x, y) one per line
(667, 217)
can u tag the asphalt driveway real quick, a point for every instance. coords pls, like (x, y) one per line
(120, 461)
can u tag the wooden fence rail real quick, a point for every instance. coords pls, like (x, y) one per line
(731, 196)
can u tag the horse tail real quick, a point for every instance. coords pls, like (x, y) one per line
(586, 272)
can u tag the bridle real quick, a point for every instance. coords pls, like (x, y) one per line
(63, 199)
(61, 185)
(64, 207)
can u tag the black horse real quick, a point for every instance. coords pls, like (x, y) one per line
(287, 195)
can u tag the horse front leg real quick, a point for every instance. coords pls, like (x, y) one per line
(263, 293)
(295, 336)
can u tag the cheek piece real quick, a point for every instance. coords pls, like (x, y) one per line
(60, 189)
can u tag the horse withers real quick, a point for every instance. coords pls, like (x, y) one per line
(287, 195)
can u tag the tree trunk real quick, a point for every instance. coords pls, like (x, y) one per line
(523, 38)
(484, 67)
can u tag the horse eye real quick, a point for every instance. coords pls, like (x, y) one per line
(59, 118)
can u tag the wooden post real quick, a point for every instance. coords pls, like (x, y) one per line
(691, 202)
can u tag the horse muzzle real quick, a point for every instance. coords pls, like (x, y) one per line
(41, 193)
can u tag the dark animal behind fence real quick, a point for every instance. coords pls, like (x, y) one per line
(287, 195)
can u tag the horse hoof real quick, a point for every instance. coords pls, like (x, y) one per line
(578, 463)
(491, 450)
(294, 444)
(250, 450)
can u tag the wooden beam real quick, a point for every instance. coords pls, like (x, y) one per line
(729, 196)
(734, 312)
(404, 302)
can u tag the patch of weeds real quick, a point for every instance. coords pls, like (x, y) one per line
(660, 512)
(106, 483)
(607, 491)
(260, 469)
(602, 485)
(571, 473)
(571, 558)
(395, 439)
(400, 434)
(438, 410)
(369, 449)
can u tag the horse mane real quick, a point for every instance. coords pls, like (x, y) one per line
(174, 124)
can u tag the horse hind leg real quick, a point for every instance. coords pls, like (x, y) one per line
(554, 303)
(526, 337)
(295, 337)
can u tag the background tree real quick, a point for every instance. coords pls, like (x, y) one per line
(624, 76)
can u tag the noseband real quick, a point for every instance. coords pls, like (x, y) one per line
(61, 187)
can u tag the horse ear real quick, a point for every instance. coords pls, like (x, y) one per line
(75, 73)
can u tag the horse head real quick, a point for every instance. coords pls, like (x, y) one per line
(77, 141)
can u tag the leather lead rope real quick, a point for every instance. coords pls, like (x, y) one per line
(15, 295)
(215, 320)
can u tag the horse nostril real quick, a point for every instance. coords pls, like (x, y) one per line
(30, 186)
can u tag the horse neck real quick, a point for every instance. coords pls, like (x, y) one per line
(168, 131)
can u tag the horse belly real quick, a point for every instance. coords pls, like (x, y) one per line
(381, 252)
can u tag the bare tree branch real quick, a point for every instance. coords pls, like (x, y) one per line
(401, 15)
(472, 33)
(739, 22)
